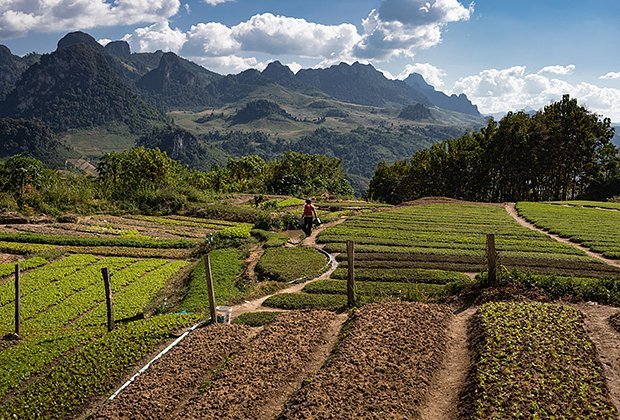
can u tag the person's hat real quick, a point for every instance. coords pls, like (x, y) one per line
(308, 201)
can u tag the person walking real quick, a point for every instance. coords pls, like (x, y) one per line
(309, 216)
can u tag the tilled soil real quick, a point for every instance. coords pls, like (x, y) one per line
(382, 368)
(179, 374)
(256, 382)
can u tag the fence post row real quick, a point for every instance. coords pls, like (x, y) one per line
(491, 259)
(17, 302)
(108, 298)
(350, 274)
(210, 288)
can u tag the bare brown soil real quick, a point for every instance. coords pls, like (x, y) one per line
(174, 378)
(603, 328)
(250, 263)
(256, 383)
(512, 211)
(382, 368)
(443, 399)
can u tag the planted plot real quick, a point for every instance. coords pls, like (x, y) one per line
(381, 369)
(330, 302)
(256, 382)
(9, 268)
(453, 237)
(533, 360)
(596, 229)
(403, 275)
(93, 370)
(290, 264)
(377, 289)
(173, 379)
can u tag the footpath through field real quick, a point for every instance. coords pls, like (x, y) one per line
(256, 305)
(512, 211)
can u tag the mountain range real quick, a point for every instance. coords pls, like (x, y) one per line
(98, 99)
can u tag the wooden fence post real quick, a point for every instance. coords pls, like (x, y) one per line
(108, 297)
(17, 302)
(210, 289)
(350, 274)
(491, 259)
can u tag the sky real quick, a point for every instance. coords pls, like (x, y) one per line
(503, 54)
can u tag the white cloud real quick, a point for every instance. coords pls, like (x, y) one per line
(216, 2)
(104, 41)
(294, 66)
(401, 27)
(18, 17)
(561, 70)
(187, 8)
(611, 75)
(231, 64)
(159, 36)
(432, 75)
(496, 91)
(210, 39)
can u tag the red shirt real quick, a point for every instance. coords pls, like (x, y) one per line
(308, 210)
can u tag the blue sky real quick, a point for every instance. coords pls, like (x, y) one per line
(503, 54)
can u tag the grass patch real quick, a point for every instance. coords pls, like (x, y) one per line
(256, 319)
(288, 264)
(226, 267)
(270, 239)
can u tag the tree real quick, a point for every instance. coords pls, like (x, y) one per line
(20, 173)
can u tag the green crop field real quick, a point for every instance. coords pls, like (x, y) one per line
(63, 335)
(533, 360)
(595, 225)
(453, 237)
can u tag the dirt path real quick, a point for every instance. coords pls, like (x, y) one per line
(607, 342)
(512, 211)
(252, 260)
(443, 398)
(256, 305)
(311, 240)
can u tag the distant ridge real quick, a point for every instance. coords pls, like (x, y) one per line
(456, 103)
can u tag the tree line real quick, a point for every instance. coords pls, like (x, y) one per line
(149, 181)
(564, 151)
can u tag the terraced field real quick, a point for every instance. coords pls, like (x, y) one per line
(593, 225)
(420, 252)
(64, 344)
(138, 236)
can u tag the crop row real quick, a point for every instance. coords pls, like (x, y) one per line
(134, 292)
(376, 289)
(533, 360)
(180, 221)
(24, 248)
(119, 251)
(593, 228)
(59, 302)
(20, 361)
(41, 277)
(403, 275)
(9, 268)
(35, 238)
(596, 204)
(92, 371)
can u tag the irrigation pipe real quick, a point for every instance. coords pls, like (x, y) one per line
(148, 365)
